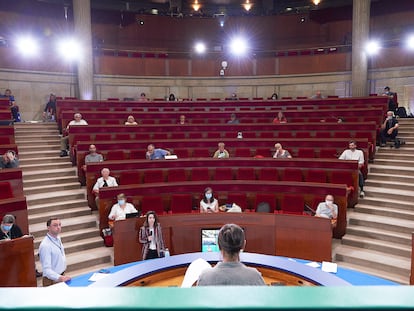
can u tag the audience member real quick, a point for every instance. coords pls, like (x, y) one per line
(234, 96)
(121, 208)
(9, 229)
(9, 160)
(221, 153)
(49, 114)
(171, 98)
(104, 181)
(355, 154)
(64, 141)
(52, 254)
(280, 152)
(182, 121)
(392, 105)
(327, 209)
(150, 236)
(389, 130)
(143, 97)
(8, 95)
(14, 110)
(274, 96)
(231, 241)
(155, 154)
(280, 118)
(131, 121)
(233, 119)
(318, 95)
(208, 204)
(92, 157)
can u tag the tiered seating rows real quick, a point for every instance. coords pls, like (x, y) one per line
(299, 170)
(278, 194)
(6, 135)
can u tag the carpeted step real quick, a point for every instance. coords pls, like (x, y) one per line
(39, 155)
(53, 207)
(381, 222)
(63, 214)
(58, 196)
(397, 177)
(390, 170)
(49, 173)
(45, 166)
(50, 181)
(88, 258)
(43, 160)
(388, 263)
(385, 211)
(380, 234)
(389, 185)
(388, 194)
(69, 236)
(51, 188)
(39, 147)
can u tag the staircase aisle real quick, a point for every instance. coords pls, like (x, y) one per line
(378, 238)
(51, 188)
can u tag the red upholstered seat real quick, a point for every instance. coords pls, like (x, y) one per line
(245, 173)
(201, 153)
(178, 135)
(242, 152)
(200, 173)
(306, 153)
(137, 154)
(265, 152)
(195, 135)
(223, 173)
(267, 134)
(6, 190)
(213, 135)
(177, 174)
(153, 176)
(269, 198)
(181, 203)
(323, 134)
(115, 155)
(303, 134)
(284, 134)
(148, 121)
(112, 122)
(292, 174)
(239, 198)
(152, 203)
(160, 136)
(269, 173)
(316, 176)
(342, 135)
(328, 153)
(182, 152)
(129, 177)
(122, 136)
(292, 204)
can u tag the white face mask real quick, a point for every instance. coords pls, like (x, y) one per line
(328, 202)
(121, 202)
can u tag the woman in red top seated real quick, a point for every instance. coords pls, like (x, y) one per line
(280, 118)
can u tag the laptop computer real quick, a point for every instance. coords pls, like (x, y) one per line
(133, 215)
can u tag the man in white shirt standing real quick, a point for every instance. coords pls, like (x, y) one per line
(355, 154)
(52, 254)
(64, 142)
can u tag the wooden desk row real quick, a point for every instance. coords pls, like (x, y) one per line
(153, 194)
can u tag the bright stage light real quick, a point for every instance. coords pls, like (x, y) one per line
(238, 46)
(410, 42)
(27, 46)
(70, 49)
(372, 47)
(200, 48)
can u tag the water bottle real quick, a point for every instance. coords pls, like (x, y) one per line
(166, 253)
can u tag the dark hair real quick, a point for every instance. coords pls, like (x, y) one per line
(231, 239)
(49, 221)
(275, 95)
(387, 88)
(352, 142)
(171, 97)
(146, 218)
(212, 195)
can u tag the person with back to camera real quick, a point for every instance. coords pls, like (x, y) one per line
(150, 236)
(221, 153)
(9, 160)
(280, 152)
(121, 208)
(209, 204)
(280, 118)
(131, 121)
(231, 241)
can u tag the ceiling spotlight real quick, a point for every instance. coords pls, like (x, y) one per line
(316, 2)
(247, 5)
(238, 46)
(200, 48)
(372, 47)
(196, 6)
(410, 42)
(27, 46)
(70, 49)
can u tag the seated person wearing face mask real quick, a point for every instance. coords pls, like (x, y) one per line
(9, 230)
(327, 209)
(208, 203)
(120, 209)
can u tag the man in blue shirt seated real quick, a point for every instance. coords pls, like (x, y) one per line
(156, 154)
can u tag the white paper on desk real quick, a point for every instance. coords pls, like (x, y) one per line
(98, 276)
(329, 266)
(313, 264)
(193, 272)
(59, 284)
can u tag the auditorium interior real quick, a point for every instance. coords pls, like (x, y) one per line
(323, 64)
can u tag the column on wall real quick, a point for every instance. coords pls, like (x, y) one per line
(360, 36)
(83, 31)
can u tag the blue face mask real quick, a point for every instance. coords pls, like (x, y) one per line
(209, 196)
(7, 227)
(121, 202)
